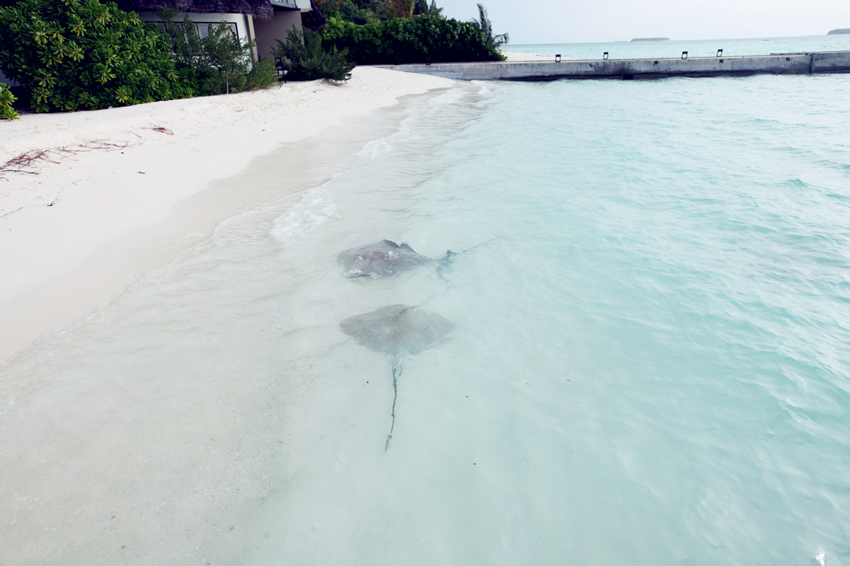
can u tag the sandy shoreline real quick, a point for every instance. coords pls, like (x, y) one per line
(117, 172)
(123, 459)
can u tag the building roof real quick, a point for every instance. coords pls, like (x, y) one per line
(261, 8)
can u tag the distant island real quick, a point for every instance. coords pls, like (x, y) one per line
(839, 31)
(661, 38)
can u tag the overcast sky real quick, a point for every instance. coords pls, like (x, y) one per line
(558, 21)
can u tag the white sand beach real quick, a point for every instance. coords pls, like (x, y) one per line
(89, 472)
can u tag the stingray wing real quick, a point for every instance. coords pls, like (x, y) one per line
(397, 329)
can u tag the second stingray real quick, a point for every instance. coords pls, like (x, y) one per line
(396, 331)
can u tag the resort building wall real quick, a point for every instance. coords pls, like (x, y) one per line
(268, 31)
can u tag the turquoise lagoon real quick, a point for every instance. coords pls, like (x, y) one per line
(651, 359)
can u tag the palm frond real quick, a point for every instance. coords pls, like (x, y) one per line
(487, 28)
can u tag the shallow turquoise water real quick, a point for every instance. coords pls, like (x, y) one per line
(650, 363)
(651, 360)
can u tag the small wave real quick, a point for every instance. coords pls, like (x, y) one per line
(484, 89)
(375, 149)
(407, 129)
(382, 146)
(307, 214)
(451, 97)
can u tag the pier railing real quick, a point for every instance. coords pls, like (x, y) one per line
(627, 69)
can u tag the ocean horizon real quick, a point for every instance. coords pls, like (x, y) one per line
(695, 47)
(648, 360)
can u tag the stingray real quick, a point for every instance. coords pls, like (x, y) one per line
(397, 331)
(385, 259)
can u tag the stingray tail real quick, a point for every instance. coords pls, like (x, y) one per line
(396, 374)
(445, 262)
(447, 259)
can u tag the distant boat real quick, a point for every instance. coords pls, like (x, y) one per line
(651, 39)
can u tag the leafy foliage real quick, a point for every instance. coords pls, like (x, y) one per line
(370, 11)
(486, 26)
(401, 40)
(356, 11)
(81, 54)
(7, 112)
(424, 9)
(306, 59)
(398, 8)
(218, 63)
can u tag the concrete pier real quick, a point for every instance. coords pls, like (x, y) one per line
(627, 69)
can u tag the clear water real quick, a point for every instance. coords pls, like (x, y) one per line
(651, 363)
(700, 48)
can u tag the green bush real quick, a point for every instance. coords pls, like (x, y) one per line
(305, 59)
(367, 11)
(77, 54)
(7, 112)
(357, 11)
(413, 40)
(218, 63)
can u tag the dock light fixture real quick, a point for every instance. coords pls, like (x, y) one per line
(720, 53)
(557, 57)
(684, 54)
(605, 55)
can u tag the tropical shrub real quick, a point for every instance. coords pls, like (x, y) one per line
(365, 11)
(400, 40)
(7, 112)
(218, 63)
(305, 59)
(81, 54)
(356, 11)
